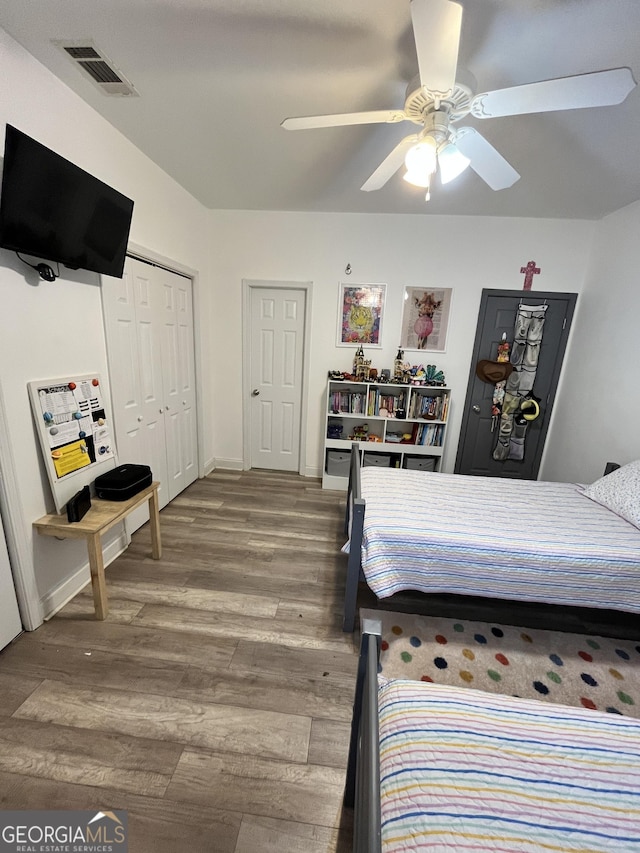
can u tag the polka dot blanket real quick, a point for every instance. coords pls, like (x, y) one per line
(569, 669)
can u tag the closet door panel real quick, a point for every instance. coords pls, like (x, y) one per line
(122, 337)
(153, 452)
(149, 328)
(176, 322)
(186, 374)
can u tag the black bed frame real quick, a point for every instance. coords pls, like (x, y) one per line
(362, 788)
(353, 528)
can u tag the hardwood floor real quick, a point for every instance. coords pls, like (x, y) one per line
(214, 702)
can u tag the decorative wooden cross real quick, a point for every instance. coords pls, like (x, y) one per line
(529, 271)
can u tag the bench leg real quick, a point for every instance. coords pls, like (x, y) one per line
(154, 520)
(96, 564)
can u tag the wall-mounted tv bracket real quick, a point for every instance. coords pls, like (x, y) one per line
(44, 270)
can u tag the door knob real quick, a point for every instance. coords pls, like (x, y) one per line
(255, 393)
(476, 408)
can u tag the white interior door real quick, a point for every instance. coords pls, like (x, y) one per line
(276, 343)
(10, 624)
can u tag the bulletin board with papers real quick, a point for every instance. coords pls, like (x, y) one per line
(75, 432)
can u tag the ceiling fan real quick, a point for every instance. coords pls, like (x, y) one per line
(436, 102)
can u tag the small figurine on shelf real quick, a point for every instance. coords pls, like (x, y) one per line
(418, 375)
(358, 360)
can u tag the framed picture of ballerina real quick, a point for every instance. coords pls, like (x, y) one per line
(425, 318)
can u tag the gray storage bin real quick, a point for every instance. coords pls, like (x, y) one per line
(420, 463)
(379, 460)
(338, 462)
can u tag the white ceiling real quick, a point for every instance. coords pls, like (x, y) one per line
(216, 78)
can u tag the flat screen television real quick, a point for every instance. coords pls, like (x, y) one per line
(52, 209)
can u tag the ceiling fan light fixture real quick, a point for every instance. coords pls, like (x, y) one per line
(451, 162)
(421, 162)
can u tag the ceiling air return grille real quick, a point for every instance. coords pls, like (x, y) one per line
(100, 70)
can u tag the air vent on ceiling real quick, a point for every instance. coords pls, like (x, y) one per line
(98, 67)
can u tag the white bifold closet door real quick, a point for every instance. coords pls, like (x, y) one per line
(150, 343)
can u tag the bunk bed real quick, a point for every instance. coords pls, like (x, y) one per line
(521, 540)
(440, 767)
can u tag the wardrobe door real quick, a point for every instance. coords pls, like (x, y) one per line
(174, 325)
(149, 330)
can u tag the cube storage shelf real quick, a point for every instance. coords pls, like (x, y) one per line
(397, 426)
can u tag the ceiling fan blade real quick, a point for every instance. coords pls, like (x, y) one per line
(436, 30)
(390, 164)
(343, 119)
(486, 162)
(598, 89)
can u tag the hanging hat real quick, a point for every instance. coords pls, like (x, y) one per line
(493, 371)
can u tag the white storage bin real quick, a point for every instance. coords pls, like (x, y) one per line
(338, 463)
(420, 463)
(379, 460)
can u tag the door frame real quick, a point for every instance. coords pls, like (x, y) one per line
(532, 297)
(249, 285)
(150, 256)
(19, 545)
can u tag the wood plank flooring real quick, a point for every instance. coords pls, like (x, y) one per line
(214, 702)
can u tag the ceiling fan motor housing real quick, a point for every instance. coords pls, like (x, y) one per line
(420, 102)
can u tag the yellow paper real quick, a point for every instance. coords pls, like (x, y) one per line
(70, 458)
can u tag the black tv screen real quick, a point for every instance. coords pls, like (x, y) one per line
(52, 209)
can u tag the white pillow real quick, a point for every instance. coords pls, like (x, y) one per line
(619, 492)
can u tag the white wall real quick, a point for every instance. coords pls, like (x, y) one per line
(466, 253)
(52, 329)
(597, 412)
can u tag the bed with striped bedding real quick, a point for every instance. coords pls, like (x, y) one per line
(502, 538)
(465, 770)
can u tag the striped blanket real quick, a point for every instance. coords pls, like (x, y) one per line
(502, 538)
(464, 770)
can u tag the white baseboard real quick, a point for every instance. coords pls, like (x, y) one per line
(229, 464)
(56, 598)
(237, 465)
(209, 466)
(311, 471)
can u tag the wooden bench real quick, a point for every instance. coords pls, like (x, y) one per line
(102, 516)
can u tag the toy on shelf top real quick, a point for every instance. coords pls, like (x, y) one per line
(418, 374)
(403, 372)
(398, 367)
